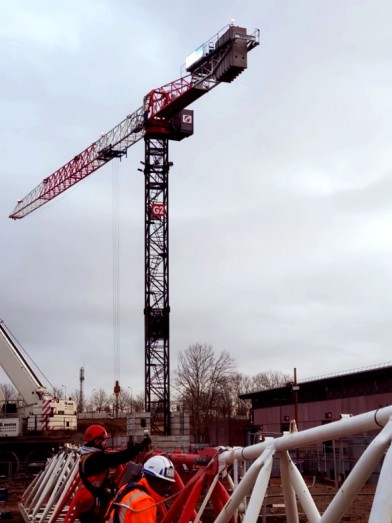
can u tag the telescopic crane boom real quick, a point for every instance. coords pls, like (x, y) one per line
(162, 117)
(41, 410)
(18, 370)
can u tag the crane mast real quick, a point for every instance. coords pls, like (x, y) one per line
(162, 117)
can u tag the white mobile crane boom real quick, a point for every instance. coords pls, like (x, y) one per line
(40, 410)
(18, 370)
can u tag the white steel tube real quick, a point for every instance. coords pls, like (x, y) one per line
(303, 494)
(242, 505)
(288, 490)
(258, 494)
(235, 477)
(358, 476)
(52, 480)
(45, 486)
(29, 492)
(382, 503)
(74, 470)
(243, 488)
(206, 499)
(59, 485)
(368, 421)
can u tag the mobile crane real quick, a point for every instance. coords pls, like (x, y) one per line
(37, 419)
(162, 117)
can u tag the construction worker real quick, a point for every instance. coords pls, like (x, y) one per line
(137, 502)
(98, 488)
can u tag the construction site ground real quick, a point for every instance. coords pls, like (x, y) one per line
(272, 513)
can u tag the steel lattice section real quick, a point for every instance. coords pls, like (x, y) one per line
(157, 284)
(113, 144)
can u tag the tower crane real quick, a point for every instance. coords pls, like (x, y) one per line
(162, 117)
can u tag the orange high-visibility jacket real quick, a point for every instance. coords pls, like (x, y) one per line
(136, 506)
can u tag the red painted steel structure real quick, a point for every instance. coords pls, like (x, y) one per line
(188, 492)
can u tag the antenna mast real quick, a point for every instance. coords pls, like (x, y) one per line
(81, 395)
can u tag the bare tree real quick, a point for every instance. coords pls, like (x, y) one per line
(8, 392)
(76, 397)
(100, 400)
(269, 379)
(123, 401)
(242, 384)
(58, 392)
(129, 403)
(202, 382)
(138, 403)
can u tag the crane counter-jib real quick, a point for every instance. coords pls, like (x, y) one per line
(221, 59)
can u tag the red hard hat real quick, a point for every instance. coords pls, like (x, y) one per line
(95, 431)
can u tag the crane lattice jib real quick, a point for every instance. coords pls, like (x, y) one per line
(112, 144)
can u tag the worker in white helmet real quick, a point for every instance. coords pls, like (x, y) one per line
(137, 502)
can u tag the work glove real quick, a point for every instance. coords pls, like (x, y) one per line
(146, 444)
(143, 446)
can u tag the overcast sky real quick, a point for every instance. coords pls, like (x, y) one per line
(280, 204)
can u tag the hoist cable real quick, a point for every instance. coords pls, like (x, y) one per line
(116, 268)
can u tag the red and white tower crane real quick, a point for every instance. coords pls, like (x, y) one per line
(163, 116)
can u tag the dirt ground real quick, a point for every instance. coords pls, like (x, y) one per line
(322, 495)
(272, 513)
(9, 509)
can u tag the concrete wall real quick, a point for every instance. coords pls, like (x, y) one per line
(179, 424)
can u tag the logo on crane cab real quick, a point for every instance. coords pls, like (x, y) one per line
(187, 118)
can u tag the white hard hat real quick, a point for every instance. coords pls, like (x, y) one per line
(160, 467)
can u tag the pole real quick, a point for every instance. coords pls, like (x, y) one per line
(295, 389)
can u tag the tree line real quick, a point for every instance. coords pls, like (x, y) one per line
(205, 384)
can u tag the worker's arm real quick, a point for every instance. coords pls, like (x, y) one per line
(99, 462)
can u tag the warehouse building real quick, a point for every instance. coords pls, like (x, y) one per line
(317, 401)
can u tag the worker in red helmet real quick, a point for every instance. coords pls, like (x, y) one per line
(137, 502)
(98, 489)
